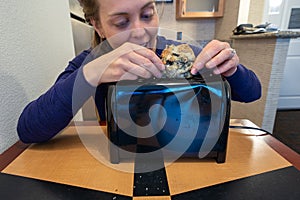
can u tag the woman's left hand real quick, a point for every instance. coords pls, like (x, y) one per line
(219, 57)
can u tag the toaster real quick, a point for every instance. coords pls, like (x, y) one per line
(175, 117)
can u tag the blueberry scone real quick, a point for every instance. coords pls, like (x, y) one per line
(178, 61)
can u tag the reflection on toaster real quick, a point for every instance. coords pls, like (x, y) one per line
(168, 118)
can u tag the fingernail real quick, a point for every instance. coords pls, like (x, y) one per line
(216, 71)
(209, 65)
(194, 71)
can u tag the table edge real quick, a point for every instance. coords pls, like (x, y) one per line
(12, 153)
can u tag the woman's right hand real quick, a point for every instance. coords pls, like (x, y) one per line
(129, 62)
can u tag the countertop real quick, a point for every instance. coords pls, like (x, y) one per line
(274, 34)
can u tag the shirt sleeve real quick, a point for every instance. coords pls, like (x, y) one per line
(46, 116)
(244, 84)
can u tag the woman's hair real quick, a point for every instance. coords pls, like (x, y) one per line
(90, 9)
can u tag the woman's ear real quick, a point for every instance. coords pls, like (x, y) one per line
(97, 28)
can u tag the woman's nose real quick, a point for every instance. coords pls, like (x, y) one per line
(138, 32)
(138, 29)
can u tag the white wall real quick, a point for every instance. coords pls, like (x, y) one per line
(274, 16)
(35, 46)
(243, 12)
(252, 11)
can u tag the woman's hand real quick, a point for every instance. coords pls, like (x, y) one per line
(129, 62)
(219, 57)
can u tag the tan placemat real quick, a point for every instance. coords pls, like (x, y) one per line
(64, 160)
(247, 155)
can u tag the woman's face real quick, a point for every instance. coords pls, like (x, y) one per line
(134, 21)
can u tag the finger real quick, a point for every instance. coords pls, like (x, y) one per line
(129, 76)
(207, 53)
(228, 67)
(124, 68)
(200, 62)
(145, 52)
(215, 46)
(149, 54)
(144, 63)
(137, 70)
(221, 57)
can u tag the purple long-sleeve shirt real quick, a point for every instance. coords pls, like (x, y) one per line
(46, 116)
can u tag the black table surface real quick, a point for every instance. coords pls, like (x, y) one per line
(276, 185)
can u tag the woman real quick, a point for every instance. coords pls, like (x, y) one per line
(130, 51)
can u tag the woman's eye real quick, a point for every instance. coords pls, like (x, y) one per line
(147, 14)
(121, 23)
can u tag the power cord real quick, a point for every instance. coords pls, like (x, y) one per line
(252, 128)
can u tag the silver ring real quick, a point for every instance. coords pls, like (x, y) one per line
(232, 52)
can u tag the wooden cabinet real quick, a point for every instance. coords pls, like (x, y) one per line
(189, 9)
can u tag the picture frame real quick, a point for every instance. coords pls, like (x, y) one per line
(164, 1)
